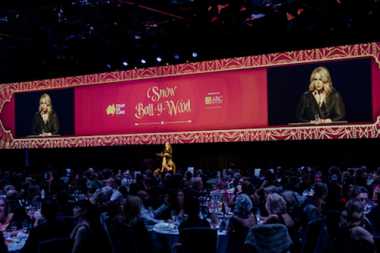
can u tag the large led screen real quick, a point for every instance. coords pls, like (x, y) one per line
(258, 98)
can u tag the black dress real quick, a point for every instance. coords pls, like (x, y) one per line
(51, 126)
(333, 108)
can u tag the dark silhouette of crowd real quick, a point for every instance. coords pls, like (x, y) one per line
(303, 209)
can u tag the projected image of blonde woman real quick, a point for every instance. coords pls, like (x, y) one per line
(321, 103)
(45, 121)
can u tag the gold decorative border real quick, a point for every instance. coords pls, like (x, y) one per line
(359, 131)
(6, 137)
(236, 135)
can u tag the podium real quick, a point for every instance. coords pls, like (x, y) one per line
(320, 124)
(41, 136)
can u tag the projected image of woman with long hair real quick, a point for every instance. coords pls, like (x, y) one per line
(321, 103)
(45, 121)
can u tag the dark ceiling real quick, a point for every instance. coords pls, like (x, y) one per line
(52, 38)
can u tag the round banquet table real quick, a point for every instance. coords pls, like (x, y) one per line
(15, 240)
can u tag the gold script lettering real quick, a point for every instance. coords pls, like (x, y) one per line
(142, 111)
(179, 106)
(155, 94)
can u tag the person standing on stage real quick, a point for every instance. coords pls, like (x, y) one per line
(167, 163)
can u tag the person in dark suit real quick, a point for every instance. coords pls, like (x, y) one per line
(45, 121)
(321, 103)
(48, 230)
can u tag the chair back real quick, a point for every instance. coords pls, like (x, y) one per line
(56, 245)
(316, 238)
(377, 242)
(199, 240)
(131, 241)
(125, 240)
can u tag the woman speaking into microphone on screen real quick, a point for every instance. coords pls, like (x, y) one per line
(45, 121)
(321, 103)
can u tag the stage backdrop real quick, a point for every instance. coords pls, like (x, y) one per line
(227, 100)
(230, 100)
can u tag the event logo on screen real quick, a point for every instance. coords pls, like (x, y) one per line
(162, 101)
(115, 109)
(226, 100)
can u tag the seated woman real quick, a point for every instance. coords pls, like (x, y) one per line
(192, 208)
(272, 236)
(177, 204)
(354, 236)
(49, 229)
(5, 217)
(45, 121)
(321, 103)
(88, 234)
(195, 233)
(127, 230)
(374, 214)
(276, 206)
(243, 218)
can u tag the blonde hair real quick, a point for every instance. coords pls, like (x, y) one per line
(275, 204)
(171, 165)
(168, 148)
(326, 79)
(47, 99)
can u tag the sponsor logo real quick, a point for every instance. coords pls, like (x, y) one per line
(115, 109)
(214, 98)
